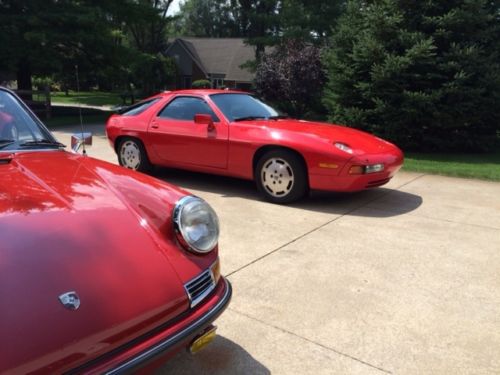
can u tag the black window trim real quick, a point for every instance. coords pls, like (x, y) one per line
(185, 96)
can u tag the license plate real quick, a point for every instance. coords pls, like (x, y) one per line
(203, 340)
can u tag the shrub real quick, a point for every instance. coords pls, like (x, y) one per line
(201, 84)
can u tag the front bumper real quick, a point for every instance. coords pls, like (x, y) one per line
(345, 182)
(165, 340)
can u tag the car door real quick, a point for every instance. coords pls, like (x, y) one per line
(176, 137)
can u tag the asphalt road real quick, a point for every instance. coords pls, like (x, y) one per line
(402, 279)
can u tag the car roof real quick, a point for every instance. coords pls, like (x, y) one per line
(201, 92)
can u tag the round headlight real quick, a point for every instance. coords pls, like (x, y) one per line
(196, 224)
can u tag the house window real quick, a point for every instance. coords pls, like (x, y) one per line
(217, 83)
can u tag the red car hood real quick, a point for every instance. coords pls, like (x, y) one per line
(359, 141)
(73, 223)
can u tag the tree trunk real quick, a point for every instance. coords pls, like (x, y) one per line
(24, 79)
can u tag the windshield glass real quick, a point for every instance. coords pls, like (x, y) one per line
(18, 129)
(243, 106)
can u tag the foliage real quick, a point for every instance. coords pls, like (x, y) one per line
(207, 18)
(42, 37)
(291, 76)
(108, 40)
(41, 83)
(310, 20)
(260, 23)
(424, 74)
(201, 84)
(152, 73)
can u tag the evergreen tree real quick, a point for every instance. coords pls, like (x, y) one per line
(310, 20)
(260, 23)
(424, 74)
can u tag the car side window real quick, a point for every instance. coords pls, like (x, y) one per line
(185, 107)
(138, 108)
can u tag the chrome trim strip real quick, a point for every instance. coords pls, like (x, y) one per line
(204, 275)
(176, 338)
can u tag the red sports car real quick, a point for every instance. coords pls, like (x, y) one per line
(102, 270)
(233, 133)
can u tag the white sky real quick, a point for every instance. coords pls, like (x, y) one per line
(174, 7)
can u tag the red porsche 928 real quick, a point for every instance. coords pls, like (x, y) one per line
(233, 133)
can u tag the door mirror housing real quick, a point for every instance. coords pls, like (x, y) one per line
(203, 119)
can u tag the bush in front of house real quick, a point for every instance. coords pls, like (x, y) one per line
(201, 84)
(424, 74)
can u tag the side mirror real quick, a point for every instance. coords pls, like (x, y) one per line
(79, 139)
(203, 119)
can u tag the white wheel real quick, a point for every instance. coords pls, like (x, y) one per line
(277, 177)
(131, 154)
(281, 176)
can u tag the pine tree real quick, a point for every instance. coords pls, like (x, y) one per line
(424, 74)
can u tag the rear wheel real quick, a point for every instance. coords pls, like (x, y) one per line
(132, 155)
(281, 176)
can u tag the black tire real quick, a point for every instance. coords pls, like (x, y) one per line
(281, 176)
(132, 155)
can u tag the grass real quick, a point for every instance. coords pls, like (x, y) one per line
(63, 116)
(479, 166)
(94, 98)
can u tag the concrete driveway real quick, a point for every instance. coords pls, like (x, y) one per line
(403, 279)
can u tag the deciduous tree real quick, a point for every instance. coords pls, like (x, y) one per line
(291, 76)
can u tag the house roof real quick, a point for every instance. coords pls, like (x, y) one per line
(220, 56)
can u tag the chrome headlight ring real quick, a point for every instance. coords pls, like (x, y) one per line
(196, 225)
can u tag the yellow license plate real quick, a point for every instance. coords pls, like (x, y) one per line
(201, 341)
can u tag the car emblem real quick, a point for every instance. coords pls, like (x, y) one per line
(70, 300)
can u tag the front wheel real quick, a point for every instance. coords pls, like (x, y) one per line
(132, 155)
(281, 176)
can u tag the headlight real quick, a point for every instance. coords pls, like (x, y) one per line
(343, 147)
(196, 224)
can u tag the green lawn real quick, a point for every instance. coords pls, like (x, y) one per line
(62, 116)
(95, 98)
(480, 166)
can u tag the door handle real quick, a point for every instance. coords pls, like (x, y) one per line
(154, 125)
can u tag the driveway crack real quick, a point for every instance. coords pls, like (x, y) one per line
(338, 352)
(319, 227)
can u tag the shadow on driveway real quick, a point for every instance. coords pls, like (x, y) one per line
(395, 202)
(222, 356)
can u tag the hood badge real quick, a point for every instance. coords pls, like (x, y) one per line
(70, 300)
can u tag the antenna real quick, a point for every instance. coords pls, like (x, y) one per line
(84, 152)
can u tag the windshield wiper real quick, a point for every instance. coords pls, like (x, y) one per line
(278, 117)
(6, 142)
(42, 142)
(249, 118)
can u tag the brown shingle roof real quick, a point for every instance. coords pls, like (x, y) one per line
(221, 56)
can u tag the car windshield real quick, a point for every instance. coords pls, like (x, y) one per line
(239, 107)
(18, 128)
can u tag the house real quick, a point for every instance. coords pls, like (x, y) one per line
(217, 60)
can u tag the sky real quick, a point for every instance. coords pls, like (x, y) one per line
(174, 7)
